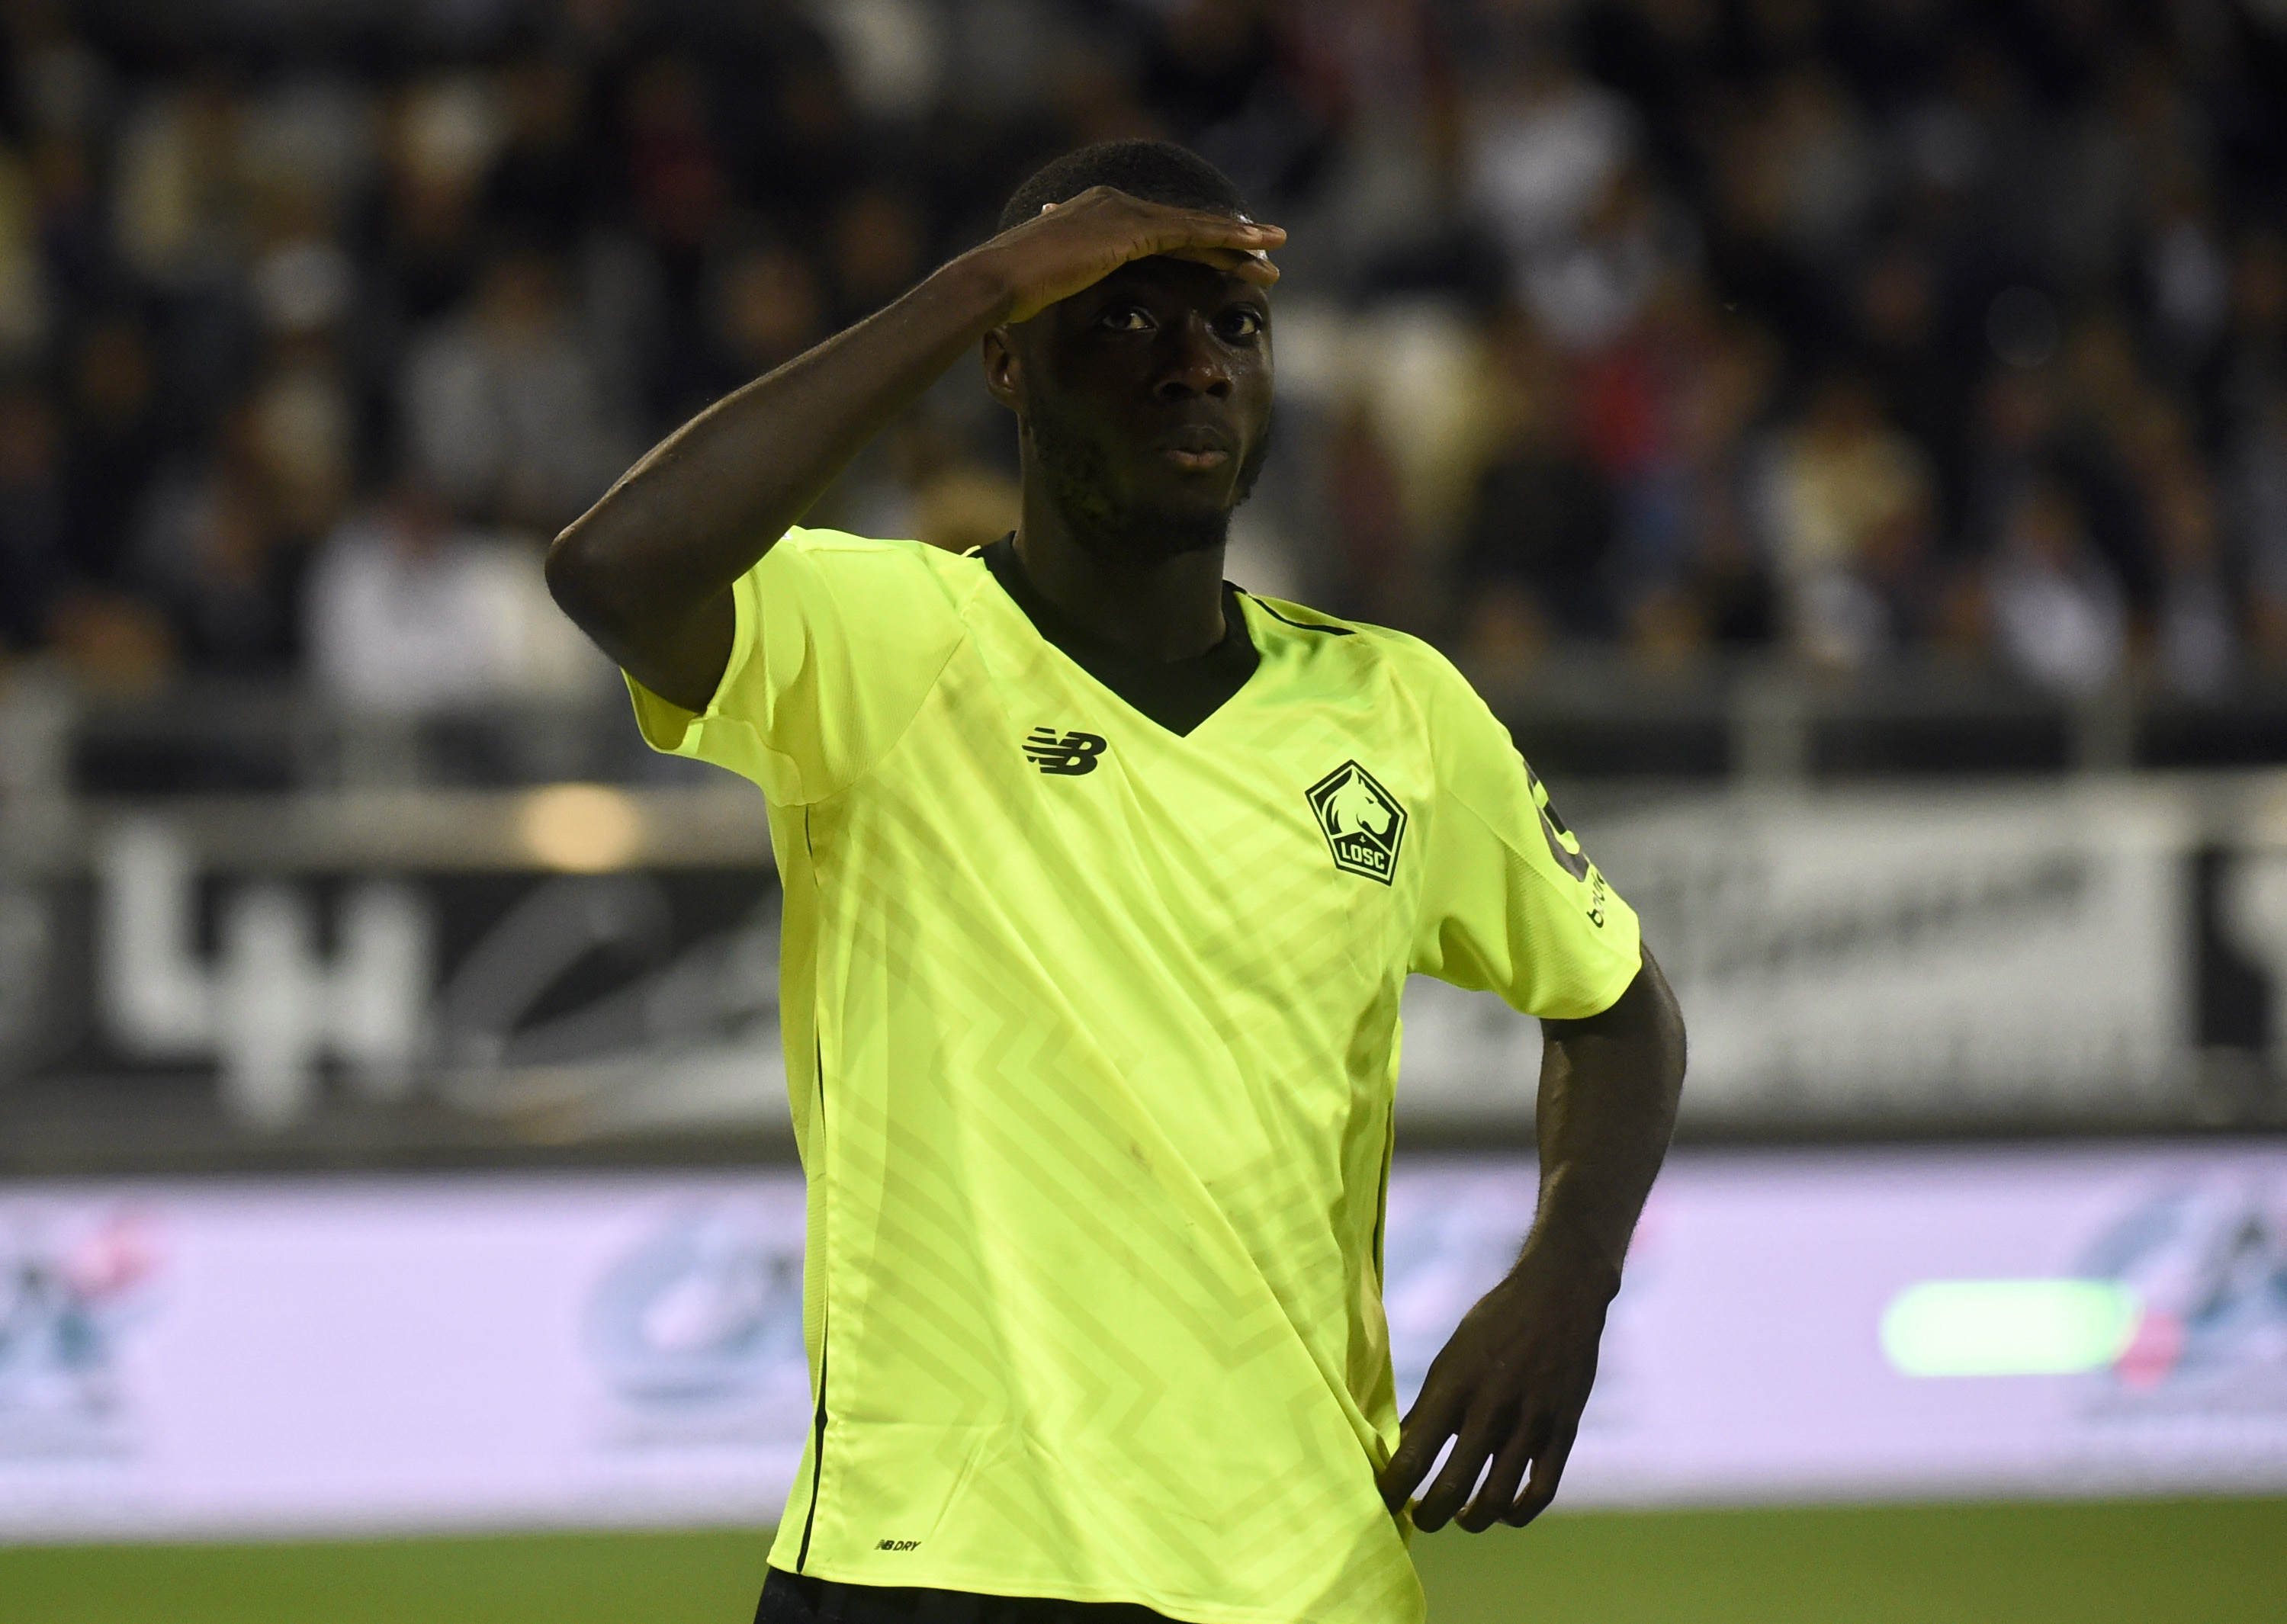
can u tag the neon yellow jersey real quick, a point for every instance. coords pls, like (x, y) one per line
(1092, 1029)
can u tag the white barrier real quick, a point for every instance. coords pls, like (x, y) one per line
(307, 1357)
(2023, 953)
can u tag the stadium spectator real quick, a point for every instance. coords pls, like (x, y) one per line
(542, 183)
(2257, 497)
(1846, 499)
(501, 407)
(2058, 614)
(2253, 355)
(115, 444)
(31, 518)
(1537, 554)
(2195, 637)
(216, 557)
(1545, 145)
(409, 612)
(1695, 565)
(444, 130)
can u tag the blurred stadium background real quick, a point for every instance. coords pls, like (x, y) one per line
(1846, 440)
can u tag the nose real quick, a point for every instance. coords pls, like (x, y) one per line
(1194, 363)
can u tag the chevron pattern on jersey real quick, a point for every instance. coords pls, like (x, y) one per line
(1102, 1065)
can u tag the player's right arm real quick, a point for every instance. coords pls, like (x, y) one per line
(647, 571)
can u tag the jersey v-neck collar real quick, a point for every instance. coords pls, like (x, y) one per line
(1178, 694)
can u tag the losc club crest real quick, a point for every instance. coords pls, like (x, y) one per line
(1363, 822)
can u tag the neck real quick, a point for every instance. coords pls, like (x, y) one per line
(1157, 606)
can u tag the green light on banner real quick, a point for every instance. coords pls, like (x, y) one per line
(2008, 1327)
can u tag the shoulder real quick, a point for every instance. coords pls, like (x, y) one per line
(837, 554)
(804, 541)
(1410, 665)
(1412, 679)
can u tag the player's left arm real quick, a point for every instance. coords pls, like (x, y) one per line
(1510, 1384)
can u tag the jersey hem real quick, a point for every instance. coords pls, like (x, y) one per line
(1183, 1610)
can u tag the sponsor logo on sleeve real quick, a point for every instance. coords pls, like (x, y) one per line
(1562, 844)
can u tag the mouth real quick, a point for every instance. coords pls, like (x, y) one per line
(1197, 447)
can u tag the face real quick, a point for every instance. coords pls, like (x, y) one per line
(1145, 404)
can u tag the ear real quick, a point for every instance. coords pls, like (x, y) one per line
(1004, 369)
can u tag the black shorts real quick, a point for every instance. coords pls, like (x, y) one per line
(789, 1598)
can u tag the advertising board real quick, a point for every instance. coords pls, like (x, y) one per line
(440, 1352)
(2022, 953)
(1848, 961)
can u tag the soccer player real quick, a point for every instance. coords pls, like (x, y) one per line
(1102, 879)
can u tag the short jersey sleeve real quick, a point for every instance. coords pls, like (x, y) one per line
(838, 641)
(1510, 903)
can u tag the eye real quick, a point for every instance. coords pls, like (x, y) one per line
(1242, 323)
(1126, 319)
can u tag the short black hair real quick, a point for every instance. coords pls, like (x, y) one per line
(1157, 171)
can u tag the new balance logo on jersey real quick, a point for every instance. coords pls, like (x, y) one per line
(1363, 822)
(1071, 755)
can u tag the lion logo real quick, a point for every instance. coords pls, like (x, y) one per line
(1363, 822)
(1356, 804)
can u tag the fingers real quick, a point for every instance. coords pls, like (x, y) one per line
(1548, 1467)
(1072, 245)
(1186, 233)
(1232, 231)
(1253, 267)
(1496, 1498)
(1545, 1445)
(1238, 246)
(1419, 1436)
(1215, 233)
(1453, 1486)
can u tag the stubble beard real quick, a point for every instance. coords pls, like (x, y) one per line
(1076, 472)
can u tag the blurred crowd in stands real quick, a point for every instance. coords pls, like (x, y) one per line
(1870, 331)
